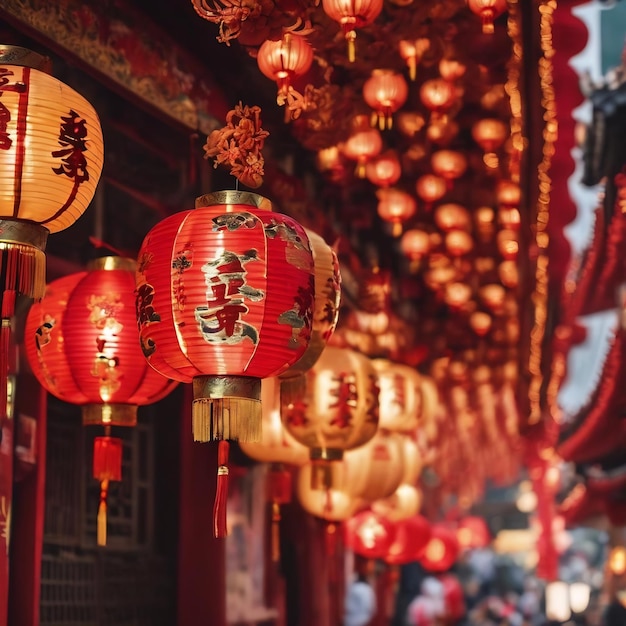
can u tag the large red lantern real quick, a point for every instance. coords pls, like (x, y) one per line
(473, 532)
(352, 14)
(415, 245)
(281, 60)
(369, 535)
(441, 551)
(82, 344)
(411, 536)
(488, 11)
(385, 91)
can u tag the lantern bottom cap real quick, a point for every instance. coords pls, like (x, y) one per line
(326, 454)
(326, 475)
(109, 414)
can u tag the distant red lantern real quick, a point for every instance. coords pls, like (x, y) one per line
(384, 170)
(441, 551)
(362, 146)
(281, 60)
(508, 244)
(385, 91)
(438, 95)
(472, 532)
(411, 536)
(412, 52)
(457, 295)
(510, 218)
(452, 216)
(369, 535)
(451, 69)
(430, 188)
(488, 11)
(493, 296)
(82, 345)
(458, 242)
(490, 133)
(352, 14)
(480, 322)
(449, 164)
(396, 207)
(508, 194)
(415, 245)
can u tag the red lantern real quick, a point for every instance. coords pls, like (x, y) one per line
(283, 59)
(352, 14)
(441, 551)
(508, 194)
(395, 206)
(488, 11)
(82, 345)
(442, 131)
(415, 245)
(412, 52)
(437, 95)
(369, 535)
(449, 164)
(411, 536)
(480, 322)
(458, 242)
(384, 170)
(452, 216)
(473, 532)
(508, 244)
(430, 188)
(451, 69)
(385, 91)
(489, 133)
(361, 146)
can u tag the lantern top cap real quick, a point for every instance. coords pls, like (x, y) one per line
(109, 263)
(16, 55)
(233, 196)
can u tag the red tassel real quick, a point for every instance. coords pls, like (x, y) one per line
(221, 495)
(331, 538)
(279, 485)
(107, 465)
(275, 532)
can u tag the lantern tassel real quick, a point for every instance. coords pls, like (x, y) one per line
(102, 513)
(221, 494)
(331, 538)
(275, 532)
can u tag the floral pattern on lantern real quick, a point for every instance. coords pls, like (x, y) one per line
(385, 91)
(225, 298)
(81, 344)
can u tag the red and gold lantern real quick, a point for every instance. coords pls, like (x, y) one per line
(281, 60)
(449, 164)
(411, 536)
(384, 170)
(352, 14)
(430, 188)
(369, 535)
(441, 551)
(508, 194)
(412, 51)
(396, 207)
(452, 216)
(385, 91)
(82, 345)
(362, 146)
(488, 11)
(458, 242)
(415, 245)
(438, 95)
(490, 133)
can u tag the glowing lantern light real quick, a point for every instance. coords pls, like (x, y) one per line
(458, 242)
(457, 295)
(493, 295)
(441, 551)
(449, 164)
(451, 69)
(329, 159)
(283, 59)
(412, 52)
(442, 131)
(385, 91)
(430, 188)
(452, 216)
(415, 245)
(403, 503)
(617, 560)
(352, 14)
(395, 206)
(411, 536)
(363, 145)
(472, 532)
(508, 245)
(508, 274)
(384, 170)
(438, 95)
(51, 157)
(369, 535)
(557, 601)
(225, 297)
(480, 322)
(409, 123)
(81, 343)
(488, 11)
(332, 408)
(508, 193)
(509, 218)
(490, 133)
(579, 595)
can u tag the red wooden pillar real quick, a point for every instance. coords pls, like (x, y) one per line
(201, 557)
(6, 495)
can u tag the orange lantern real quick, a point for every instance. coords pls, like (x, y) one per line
(281, 60)
(395, 206)
(384, 170)
(449, 164)
(415, 245)
(480, 322)
(458, 242)
(493, 295)
(451, 69)
(508, 194)
(430, 188)
(333, 407)
(508, 274)
(51, 157)
(441, 551)
(412, 52)
(488, 11)
(352, 14)
(442, 131)
(438, 95)
(452, 216)
(409, 123)
(369, 535)
(510, 218)
(81, 343)
(490, 133)
(361, 146)
(411, 536)
(457, 295)
(508, 244)
(385, 91)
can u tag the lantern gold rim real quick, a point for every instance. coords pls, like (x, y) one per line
(231, 197)
(23, 232)
(109, 414)
(24, 57)
(326, 454)
(109, 263)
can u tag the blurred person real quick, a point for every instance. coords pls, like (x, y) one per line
(428, 608)
(360, 602)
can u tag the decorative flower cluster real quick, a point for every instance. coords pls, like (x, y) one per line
(239, 144)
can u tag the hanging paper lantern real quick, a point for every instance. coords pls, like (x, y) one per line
(430, 188)
(508, 244)
(410, 123)
(437, 95)
(396, 207)
(508, 194)
(384, 170)
(488, 11)
(82, 345)
(458, 242)
(352, 14)
(415, 245)
(442, 131)
(510, 218)
(281, 60)
(441, 551)
(332, 408)
(473, 532)
(451, 69)
(490, 133)
(385, 91)
(369, 535)
(412, 52)
(411, 536)
(403, 503)
(480, 322)
(363, 145)
(449, 164)
(452, 216)
(457, 295)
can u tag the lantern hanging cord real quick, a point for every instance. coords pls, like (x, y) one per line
(221, 494)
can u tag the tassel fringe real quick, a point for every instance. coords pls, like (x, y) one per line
(215, 419)
(220, 528)
(102, 514)
(25, 269)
